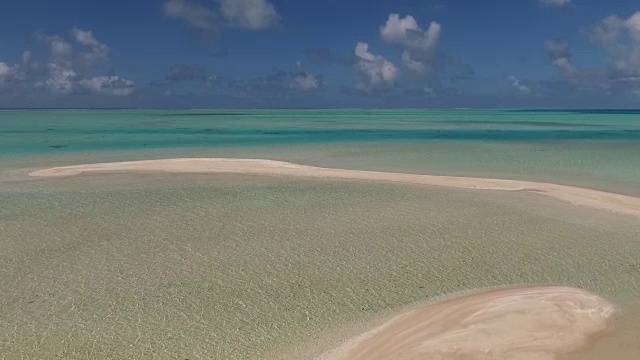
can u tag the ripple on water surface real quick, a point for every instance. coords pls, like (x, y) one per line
(235, 267)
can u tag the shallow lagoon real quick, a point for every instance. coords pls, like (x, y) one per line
(203, 266)
(239, 266)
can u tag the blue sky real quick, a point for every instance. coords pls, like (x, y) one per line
(289, 54)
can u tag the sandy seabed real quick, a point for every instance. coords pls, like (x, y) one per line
(522, 323)
(535, 323)
(578, 196)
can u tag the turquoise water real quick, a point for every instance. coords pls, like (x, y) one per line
(597, 149)
(42, 132)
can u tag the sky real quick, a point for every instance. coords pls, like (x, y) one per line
(320, 54)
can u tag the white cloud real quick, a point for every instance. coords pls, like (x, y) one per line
(198, 16)
(377, 73)
(419, 45)
(560, 56)
(405, 31)
(621, 39)
(13, 75)
(395, 30)
(515, 83)
(565, 66)
(249, 14)
(556, 2)
(61, 50)
(86, 38)
(98, 50)
(5, 69)
(66, 71)
(606, 32)
(306, 82)
(62, 80)
(108, 85)
(633, 25)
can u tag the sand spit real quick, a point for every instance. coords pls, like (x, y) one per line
(578, 196)
(510, 324)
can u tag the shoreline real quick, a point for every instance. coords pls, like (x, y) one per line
(596, 199)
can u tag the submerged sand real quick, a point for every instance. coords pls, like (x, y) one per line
(578, 196)
(152, 265)
(524, 323)
(534, 323)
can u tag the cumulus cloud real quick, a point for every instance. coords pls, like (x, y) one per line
(61, 80)
(8, 76)
(108, 85)
(405, 31)
(560, 56)
(306, 82)
(64, 54)
(633, 26)
(621, 39)
(419, 58)
(61, 50)
(376, 72)
(556, 2)
(14, 76)
(66, 70)
(249, 14)
(198, 16)
(246, 14)
(97, 50)
(419, 45)
(607, 31)
(517, 84)
(5, 70)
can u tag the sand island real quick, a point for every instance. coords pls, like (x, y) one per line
(578, 196)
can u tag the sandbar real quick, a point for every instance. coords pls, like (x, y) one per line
(536, 323)
(578, 196)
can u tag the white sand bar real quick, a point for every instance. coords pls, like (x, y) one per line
(536, 323)
(578, 196)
